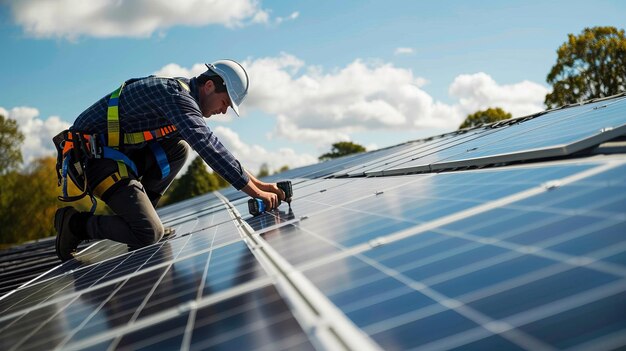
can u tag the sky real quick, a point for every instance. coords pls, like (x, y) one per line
(377, 73)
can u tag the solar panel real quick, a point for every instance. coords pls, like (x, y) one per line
(501, 275)
(528, 256)
(554, 133)
(417, 150)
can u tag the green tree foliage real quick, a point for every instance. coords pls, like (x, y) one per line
(28, 200)
(489, 115)
(590, 65)
(264, 171)
(282, 169)
(341, 149)
(10, 142)
(196, 181)
(221, 182)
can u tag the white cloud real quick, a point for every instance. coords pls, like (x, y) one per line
(479, 91)
(404, 51)
(252, 156)
(71, 19)
(38, 133)
(174, 70)
(291, 17)
(317, 106)
(321, 138)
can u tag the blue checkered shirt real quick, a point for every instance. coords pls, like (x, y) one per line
(153, 102)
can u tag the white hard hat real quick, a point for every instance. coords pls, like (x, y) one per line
(235, 78)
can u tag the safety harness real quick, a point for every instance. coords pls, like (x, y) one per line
(75, 149)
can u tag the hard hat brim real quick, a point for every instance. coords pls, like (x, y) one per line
(232, 104)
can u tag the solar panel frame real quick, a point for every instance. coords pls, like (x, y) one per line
(460, 155)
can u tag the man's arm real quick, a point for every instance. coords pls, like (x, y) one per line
(182, 110)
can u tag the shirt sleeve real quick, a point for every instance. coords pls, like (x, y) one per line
(183, 112)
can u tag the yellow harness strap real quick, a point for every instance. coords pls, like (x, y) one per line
(113, 118)
(107, 183)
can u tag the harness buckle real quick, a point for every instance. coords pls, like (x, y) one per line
(95, 146)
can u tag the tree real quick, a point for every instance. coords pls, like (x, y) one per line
(28, 200)
(10, 142)
(341, 149)
(196, 181)
(485, 116)
(264, 171)
(282, 169)
(590, 65)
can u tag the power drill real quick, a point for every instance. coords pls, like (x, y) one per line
(257, 206)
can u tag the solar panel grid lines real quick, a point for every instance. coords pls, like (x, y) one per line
(147, 298)
(112, 333)
(191, 304)
(192, 315)
(68, 301)
(557, 137)
(566, 141)
(571, 303)
(319, 170)
(30, 282)
(215, 283)
(97, 251)
(198, 294)
(610, 342)
(327, 327)
(207, 201)
(583, 262)
(420, 151)
(541, 251)
(92, 288)
(59, 311)
(412, 315)
(546, 189)
(34, 295)
(397, 150)
(442, 305)
(456, 216)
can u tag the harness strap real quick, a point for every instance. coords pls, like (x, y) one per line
(141, 137)
(161, 158)
(66, 197)
(121, 158)
(106, 184)
(113, 118)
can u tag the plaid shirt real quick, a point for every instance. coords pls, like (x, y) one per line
(153, 102)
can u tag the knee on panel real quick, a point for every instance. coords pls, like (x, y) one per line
(151, 234)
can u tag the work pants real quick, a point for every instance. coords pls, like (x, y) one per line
(133, 199)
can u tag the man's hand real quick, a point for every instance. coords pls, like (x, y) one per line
(273, 188)
(270, 198)
(255, 187)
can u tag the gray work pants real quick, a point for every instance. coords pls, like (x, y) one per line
(133, 200)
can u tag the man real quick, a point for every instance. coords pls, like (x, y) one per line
(128, 147)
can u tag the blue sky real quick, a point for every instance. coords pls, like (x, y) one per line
(374, 72)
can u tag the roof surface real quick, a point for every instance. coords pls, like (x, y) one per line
(508, 236)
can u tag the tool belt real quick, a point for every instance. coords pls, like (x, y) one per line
(74, 151)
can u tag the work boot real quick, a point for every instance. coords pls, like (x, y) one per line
(67, 241)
